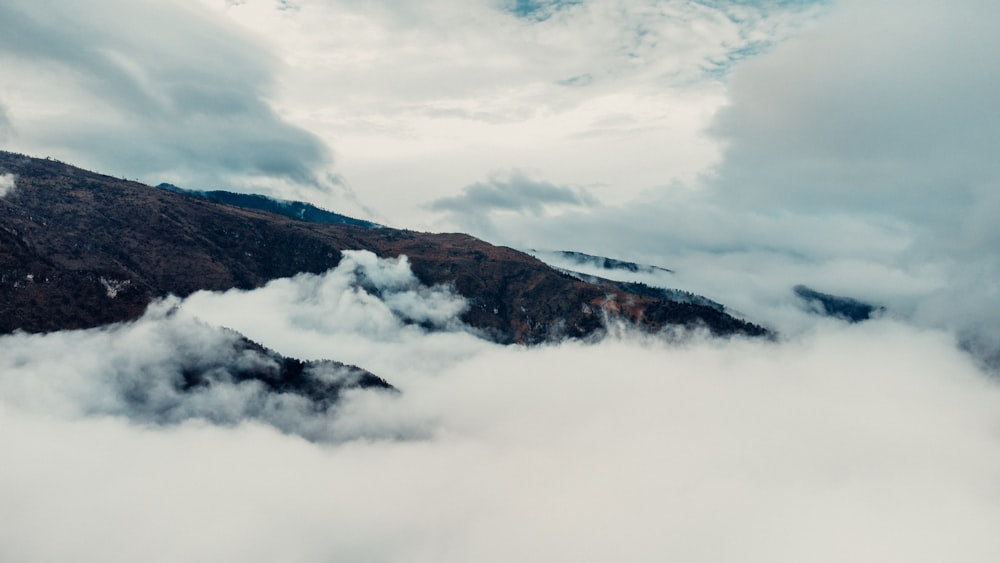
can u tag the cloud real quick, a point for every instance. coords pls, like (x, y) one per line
(145, 89)
(421, 99)
(7, 184)
(170, 367)
(515, 192)
(839, 442)
(857, 158)
(869, 442)
(850, 443)
(5, 127)
(368, 311)
(895, 121)
(160, 371)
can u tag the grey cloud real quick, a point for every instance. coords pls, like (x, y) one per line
(883, 113)
(160, 88)
(5, 126)
(865, 149)
(513, 192)
(897, 120)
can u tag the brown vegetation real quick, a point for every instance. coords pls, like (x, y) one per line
(79, 249)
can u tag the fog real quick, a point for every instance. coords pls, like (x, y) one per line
(7, 184)
(869, 442)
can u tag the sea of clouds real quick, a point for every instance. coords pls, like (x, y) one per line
(869, 442)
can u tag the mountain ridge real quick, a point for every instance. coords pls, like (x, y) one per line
(80, 249)
(300, 210)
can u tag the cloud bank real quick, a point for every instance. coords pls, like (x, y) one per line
(874, 442)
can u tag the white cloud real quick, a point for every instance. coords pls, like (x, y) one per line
(423, 99)
(7, 184)
(369, 312)
(858, 157)
(867, 443)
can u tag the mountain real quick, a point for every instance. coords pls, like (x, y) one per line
(639, 288)
(603, 262)
(80, 249)
(845, 308)
(320, 382)
(295, 209)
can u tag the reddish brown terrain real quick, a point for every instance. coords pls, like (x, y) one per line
(80, 249)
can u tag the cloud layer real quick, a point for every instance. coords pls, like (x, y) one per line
(868, 443)
(856, 158)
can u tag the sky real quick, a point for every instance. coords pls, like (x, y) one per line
(747, 146)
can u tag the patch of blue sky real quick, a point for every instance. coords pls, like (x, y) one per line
(538, 10)
(765, 5)
(578, 81)
(750, 15)
(719, 68)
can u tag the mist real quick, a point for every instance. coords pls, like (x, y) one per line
(869, 442)
(7, 184)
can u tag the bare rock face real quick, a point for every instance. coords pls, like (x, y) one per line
(80, 249)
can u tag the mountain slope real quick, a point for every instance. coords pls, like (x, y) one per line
(80, 249)
(294, 209)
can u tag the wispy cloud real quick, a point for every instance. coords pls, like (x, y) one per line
(516, 192)
(8, 182)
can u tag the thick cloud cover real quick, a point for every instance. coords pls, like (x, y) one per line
(874, 442)
(855, 158)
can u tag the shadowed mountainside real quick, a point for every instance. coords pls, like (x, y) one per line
(80, 249)
(294, 209)
(845, 308)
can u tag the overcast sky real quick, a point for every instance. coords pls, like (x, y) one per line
(747, 146)
(405, 102)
